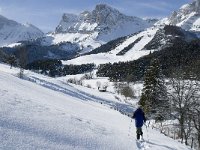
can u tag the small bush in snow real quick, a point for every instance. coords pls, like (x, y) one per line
(127, 91)
(88, 86)
(88, 76)
(75, 81)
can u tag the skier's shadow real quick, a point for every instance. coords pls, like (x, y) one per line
(170, 148)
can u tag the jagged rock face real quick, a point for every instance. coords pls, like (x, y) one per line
(67, 22)
(105, 15)
(102, 18)
(182, 13)
(187, 17)
(11, 31)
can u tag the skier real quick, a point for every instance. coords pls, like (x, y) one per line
(139, 121)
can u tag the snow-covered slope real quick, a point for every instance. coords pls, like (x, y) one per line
(11, 31)
(91, 29)
(134, 46)
(36, 116)
(138, 41)
(187, 17)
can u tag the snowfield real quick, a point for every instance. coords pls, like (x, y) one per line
(46, 113)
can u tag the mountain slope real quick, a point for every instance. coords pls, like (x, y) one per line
(187, 17)
(180, 56)
(91, 29)
(134, 46)
(11, 31)
(35, 117)
(111, 55)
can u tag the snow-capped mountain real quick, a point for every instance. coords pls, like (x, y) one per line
(183, 24)
(104, 20)
(92, 29)
(187, 17)
(11, 31)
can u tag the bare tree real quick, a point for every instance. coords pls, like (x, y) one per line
(183, 95)
(98, 83)
(88, 76)
(196, 120)
(118, 86)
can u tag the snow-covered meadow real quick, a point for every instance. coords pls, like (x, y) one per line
(45, 113)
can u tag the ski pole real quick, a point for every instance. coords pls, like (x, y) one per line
(147, 132)
(129, 130)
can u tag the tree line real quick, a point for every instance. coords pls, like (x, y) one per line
(180, 55)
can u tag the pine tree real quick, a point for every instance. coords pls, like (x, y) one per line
(154, 94)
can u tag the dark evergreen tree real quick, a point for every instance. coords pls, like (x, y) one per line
(154, 94)
(12, 60)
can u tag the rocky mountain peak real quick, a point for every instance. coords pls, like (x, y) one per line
(104, 8)
(104, 14)
(187, 17)
(67, 17)
(100, 25)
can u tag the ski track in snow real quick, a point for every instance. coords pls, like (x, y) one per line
(122, 107)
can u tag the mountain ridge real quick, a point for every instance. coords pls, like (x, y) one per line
(187, 17)
(91, 29)
(12, 31)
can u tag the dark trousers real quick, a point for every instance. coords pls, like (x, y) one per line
(139, 132)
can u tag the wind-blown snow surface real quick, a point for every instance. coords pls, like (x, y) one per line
(34, 115)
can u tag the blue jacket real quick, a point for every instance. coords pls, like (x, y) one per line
(139, 118)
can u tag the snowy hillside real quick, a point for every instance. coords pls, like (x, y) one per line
(37, 115)
(187, 17)
(11, 32)
(183, 24)
(92, 29)
(134, 46)
(136, 51)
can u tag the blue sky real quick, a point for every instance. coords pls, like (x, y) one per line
(46, 14)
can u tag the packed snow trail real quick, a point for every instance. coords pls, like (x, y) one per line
(35, 117)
